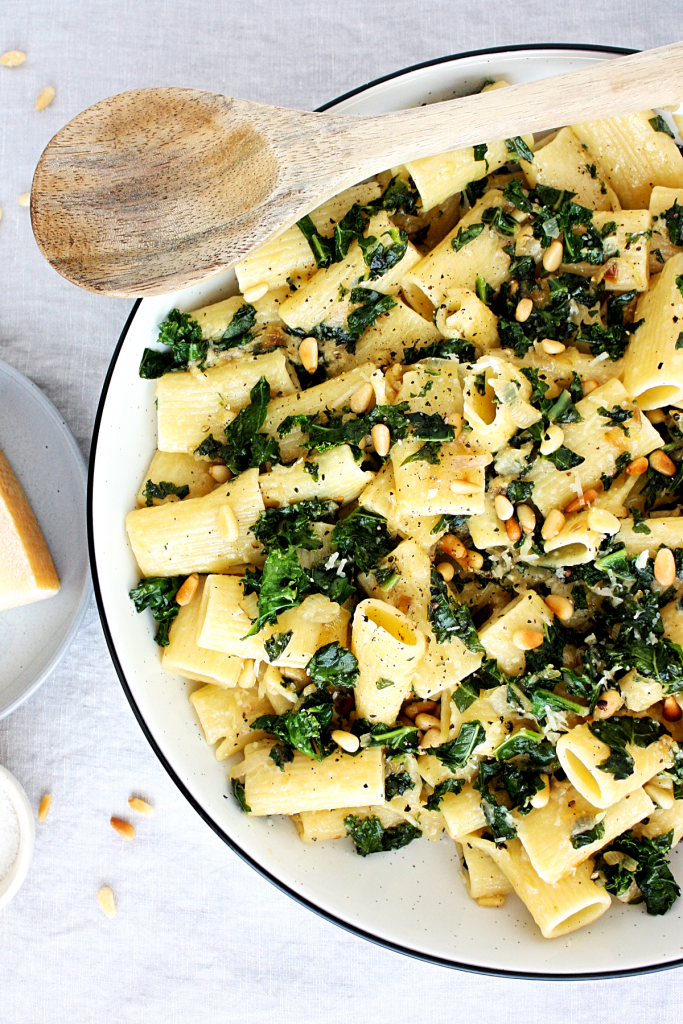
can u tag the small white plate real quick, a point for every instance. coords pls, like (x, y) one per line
(46, 460)
(13, 880)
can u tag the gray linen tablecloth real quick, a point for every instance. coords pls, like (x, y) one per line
(200, 936)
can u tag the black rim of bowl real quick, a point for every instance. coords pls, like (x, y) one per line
(354, 929)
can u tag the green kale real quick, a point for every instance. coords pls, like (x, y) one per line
(644, 862)
(617, 416)
(277, 645)
(363, 539)
(673, 218)
(158, 594)
(333, 666)
(620, 465)
(515, 193)
(499, 820)
(382, 683)
(542, 700)
(519, 491)
(455, 754)
(517, 147)
(447, 786)
(371, 305)
(639, 521)
(659, 124)
(400, 196)
(370, 836)
(474, 190)
(527, 744)
(396, 784)
(563, 458)
(290, 526)
(282, 585)
(312, 469)
(304, 730)
(162, 490)
(500, 221)
(521, 785)
(449, 348)
(322, 248)
(281, 755)
(244, 447)
(612, 340)
(449, 618)
(239, 330)
(588, 836)
(238, 791)
(484, 290)
(182, 334)
(479, 152)
(449, 523)
(466, 694)
(379, 256)
(466, 235)
(429, 452)
(400, 739)
(616, 733)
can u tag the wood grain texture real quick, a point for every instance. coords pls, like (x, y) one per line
(157, 189)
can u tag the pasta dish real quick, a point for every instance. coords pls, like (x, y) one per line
(413, 525)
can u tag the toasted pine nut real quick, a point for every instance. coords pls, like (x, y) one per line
(527, 639)
(454, 419)
(124, 828)
(362, 397)
(308, 354)
(228, 525)
(513, 530)
(671, 709)
(219, 473)
(416, 707)
(553, 439)
(602, 521)
(105, 901)
(609, 702)
(523, 311)
(44, 807)
(552, 347)
(453, 546)
(637, 467)
(552, 257)
(611, 271)
(661, 796)
(346, 740)
(553, 524)
(656, 415)
(381, 438)
(475, 560)
(45, 97)
(589, 385)
(256, 293)
(425, 721)
(24, 199)
(12, 59)
(432, 738)
(491, 901)
(527, 518)
(504, 508)
(541, 798)
(661, 462)
(140, 806)
(462, 487)
(563, 607)
(447, 571)
(187, 591)
(665, 567)
(587, 498)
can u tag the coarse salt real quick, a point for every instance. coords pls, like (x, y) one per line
(9, 834)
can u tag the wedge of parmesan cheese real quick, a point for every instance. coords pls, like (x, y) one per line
(26, 570)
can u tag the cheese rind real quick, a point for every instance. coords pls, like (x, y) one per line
(27, 573)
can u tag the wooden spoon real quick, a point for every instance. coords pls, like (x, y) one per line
(157, 189)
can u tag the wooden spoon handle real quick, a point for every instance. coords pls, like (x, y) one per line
(639, 81)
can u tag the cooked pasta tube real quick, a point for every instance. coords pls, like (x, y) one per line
(337, 476)
(547, 832)
(185, 536)
(227, 715)
(389, 648)
(558, 908)
(653, 368)
(340, 780)
(184, 656)
(527, 611)
(462, 812)
(563, 162)
(581, 753)
(481, 874)
(181, 470)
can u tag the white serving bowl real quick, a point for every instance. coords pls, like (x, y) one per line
(11, 883)
(413, 900)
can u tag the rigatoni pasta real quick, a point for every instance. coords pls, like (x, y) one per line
(414, 525)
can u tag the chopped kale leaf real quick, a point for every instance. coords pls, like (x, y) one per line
(370, 836)
(334, 666)
(158, 594)
(162, 490)
(449, 618)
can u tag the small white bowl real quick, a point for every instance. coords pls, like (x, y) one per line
(11, 883)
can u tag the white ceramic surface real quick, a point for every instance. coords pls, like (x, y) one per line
(49, 466)
(12, 882)
(414, 899)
